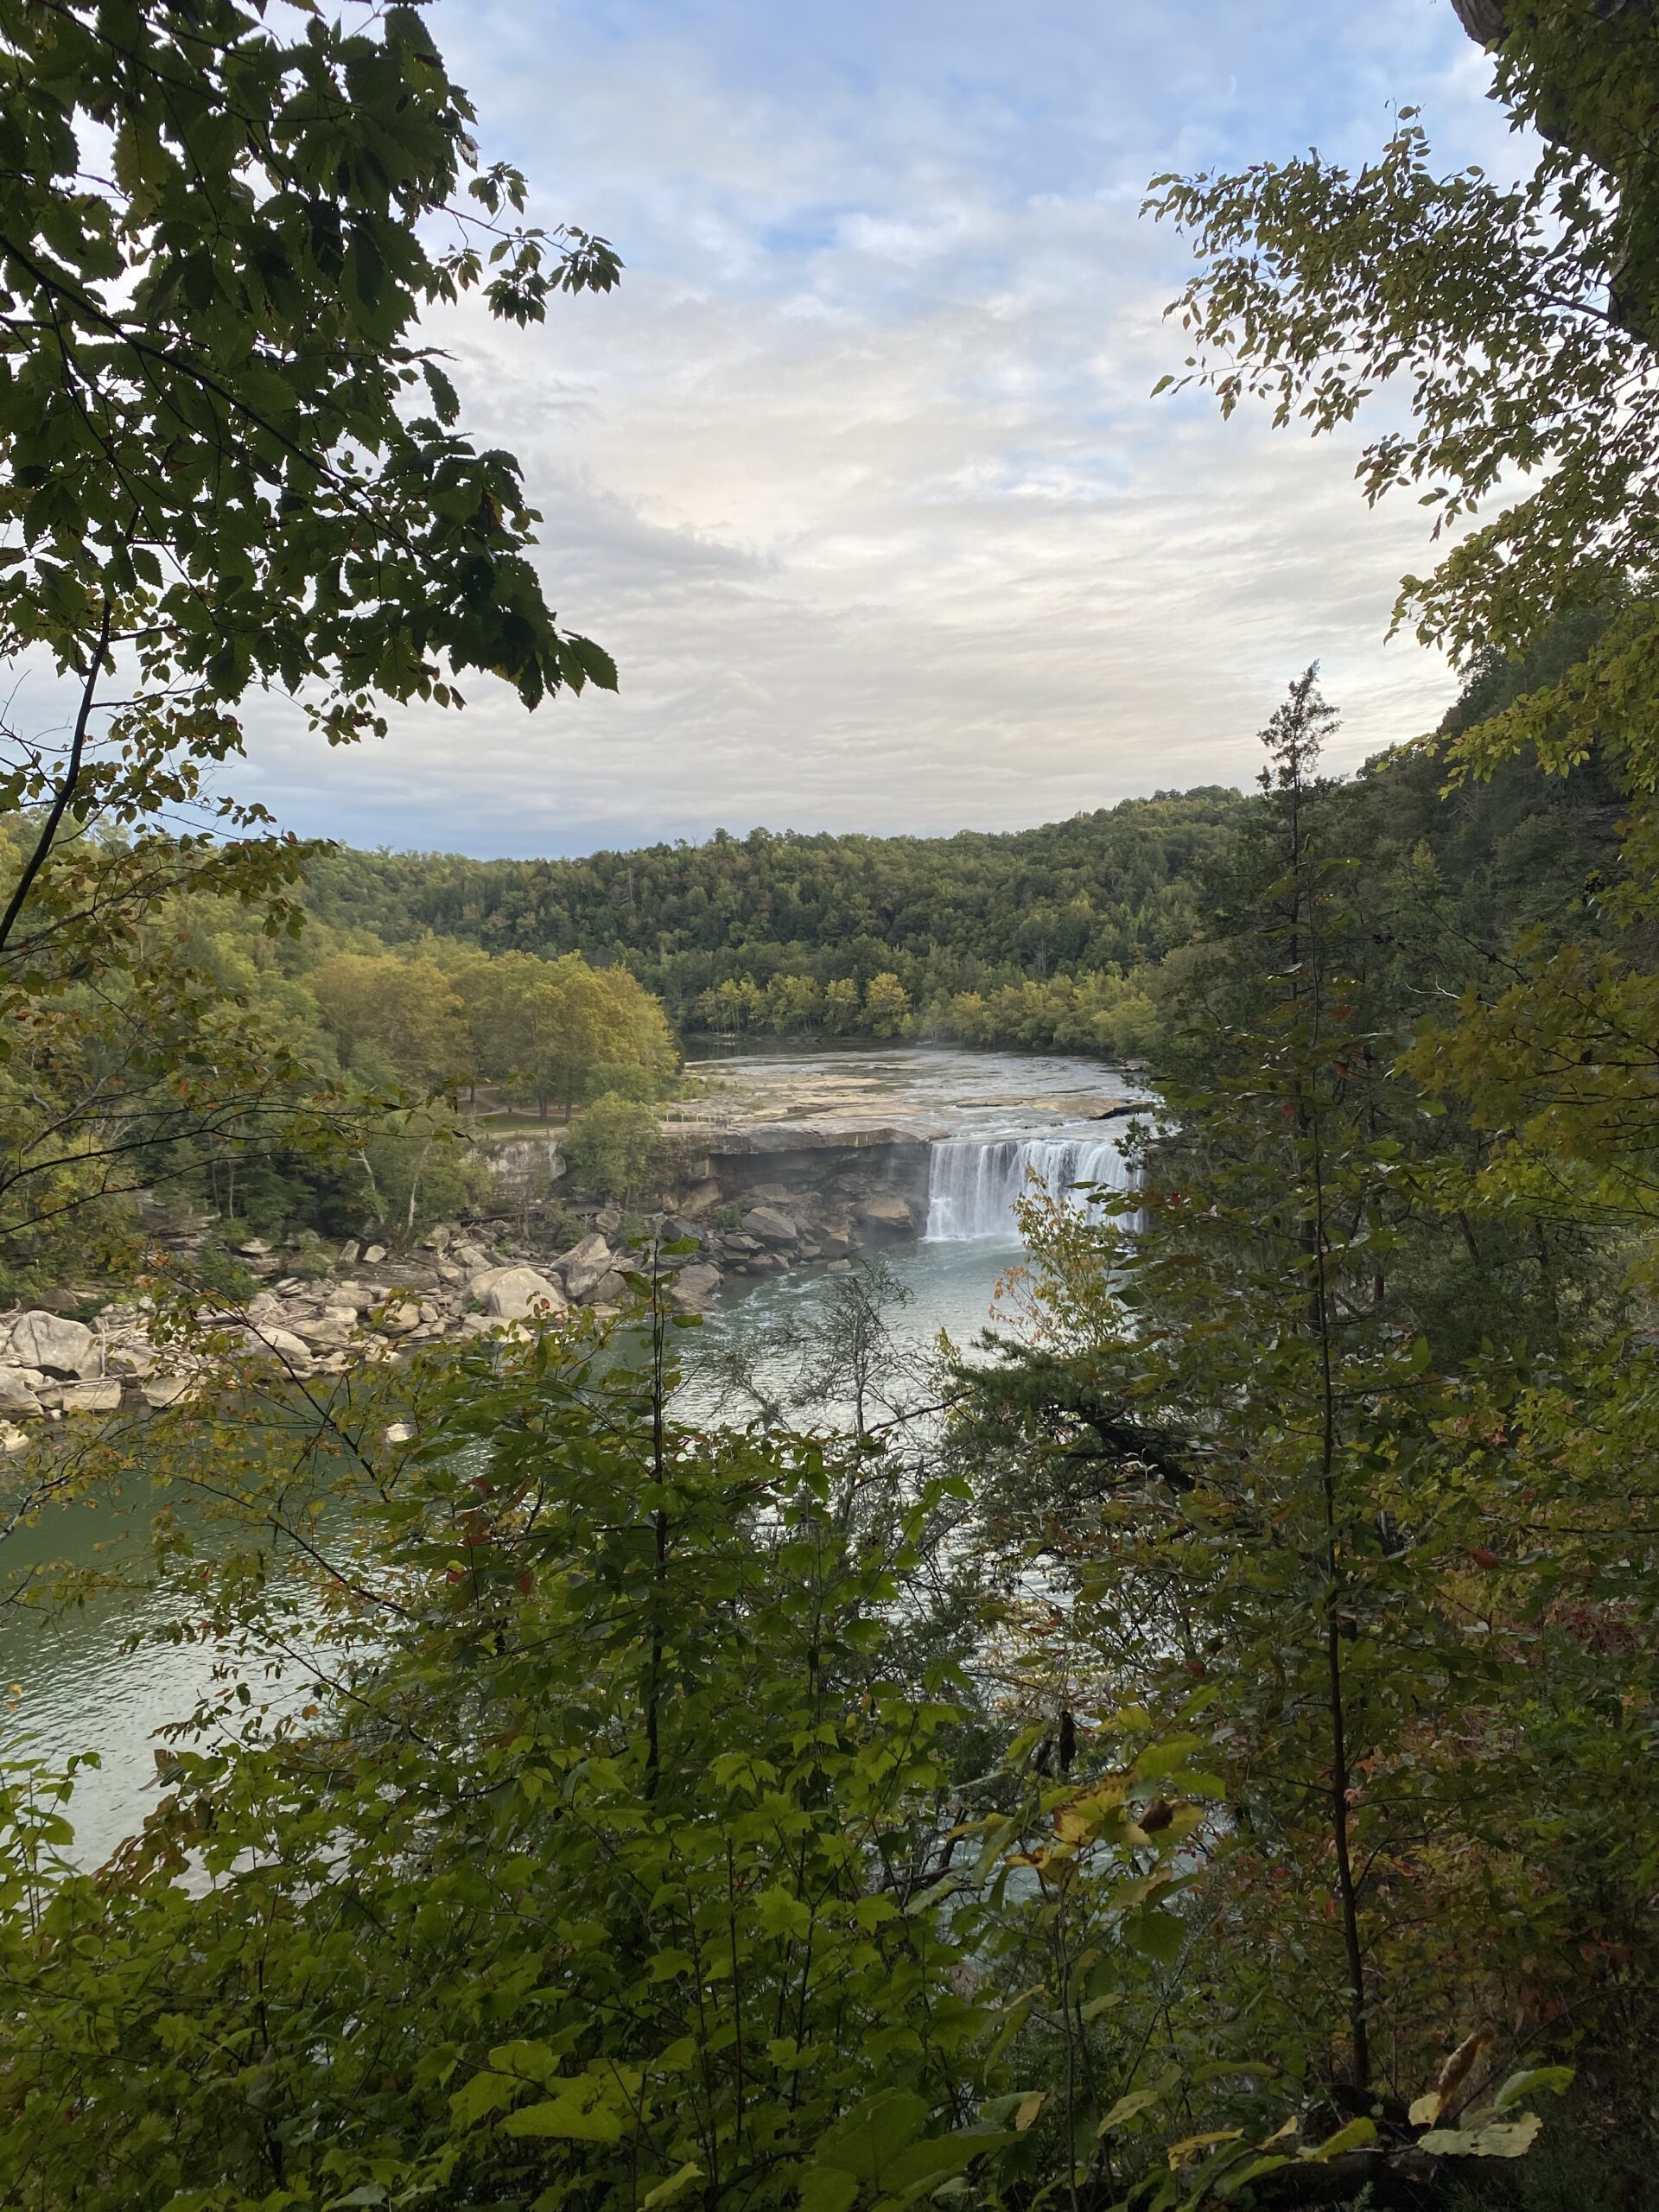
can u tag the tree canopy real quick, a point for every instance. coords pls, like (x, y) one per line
(230, 462)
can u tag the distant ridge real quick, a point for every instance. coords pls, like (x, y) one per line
(980, 910)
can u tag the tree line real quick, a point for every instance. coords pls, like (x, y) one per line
(786, 931)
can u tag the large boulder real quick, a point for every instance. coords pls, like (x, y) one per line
(399, 1318)
(522, 1294)
(584, 1267)
(56, 1345)
(17, 1388)
(281, 1344)
(92, 1397)
(693, 1287)
(330, 1331)
(772, 1227)
(701, 1199)
(168, 1390)
(887, 1211)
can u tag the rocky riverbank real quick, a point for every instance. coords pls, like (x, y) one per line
(778, 1165)
(366, 1302)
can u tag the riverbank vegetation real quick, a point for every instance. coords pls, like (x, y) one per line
(1197, 1751)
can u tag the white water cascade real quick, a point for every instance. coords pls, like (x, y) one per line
(973, 1183)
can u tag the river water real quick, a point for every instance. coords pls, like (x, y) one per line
(71, 1683)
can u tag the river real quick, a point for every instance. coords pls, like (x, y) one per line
(993, 1121)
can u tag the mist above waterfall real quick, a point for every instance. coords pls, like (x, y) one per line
(974, 1183)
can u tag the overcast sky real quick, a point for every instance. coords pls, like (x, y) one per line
(858, 475)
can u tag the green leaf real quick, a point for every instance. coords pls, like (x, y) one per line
(1358, 2135)
(827, 2188)
(1554, 2081)
(1130, 2108)
(483, 2093)
(1159, 1934)
(666, 2192)
(445, 402)
(781, 1913)
(576, 2117)
(872, 2136)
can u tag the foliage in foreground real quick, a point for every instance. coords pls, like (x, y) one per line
(634, 1856)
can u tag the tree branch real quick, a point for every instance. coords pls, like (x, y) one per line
(44, 844)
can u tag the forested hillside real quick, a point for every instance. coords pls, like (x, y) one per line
(712, 928)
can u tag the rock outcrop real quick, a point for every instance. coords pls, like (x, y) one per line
(772, 1225)
(56, 1345)
(783, 1199)
(518, 1294)
(886, 1210)
(584, 1267)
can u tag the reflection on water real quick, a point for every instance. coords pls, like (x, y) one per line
(939, 1286)
(75, 1688)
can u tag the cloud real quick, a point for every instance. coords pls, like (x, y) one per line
(858, 475)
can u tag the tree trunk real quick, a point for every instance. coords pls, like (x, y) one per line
(1482, 19)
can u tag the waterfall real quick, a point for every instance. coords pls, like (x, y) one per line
(973, 1183)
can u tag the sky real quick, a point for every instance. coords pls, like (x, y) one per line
(858, 474)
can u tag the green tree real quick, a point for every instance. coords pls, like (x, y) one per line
(887, 1006)
(613, 1146)
(1522, 323)
(619, 1698)
(1275, 1463)
(841, 1006)
(406, 1014)
(1318, 285)
(794, 1002)
(228, 460)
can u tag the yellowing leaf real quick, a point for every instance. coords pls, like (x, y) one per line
(1442, 2093)
(1181, 2152)
(1499, 2139)
(1028, 2107)
(1083, 1819)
